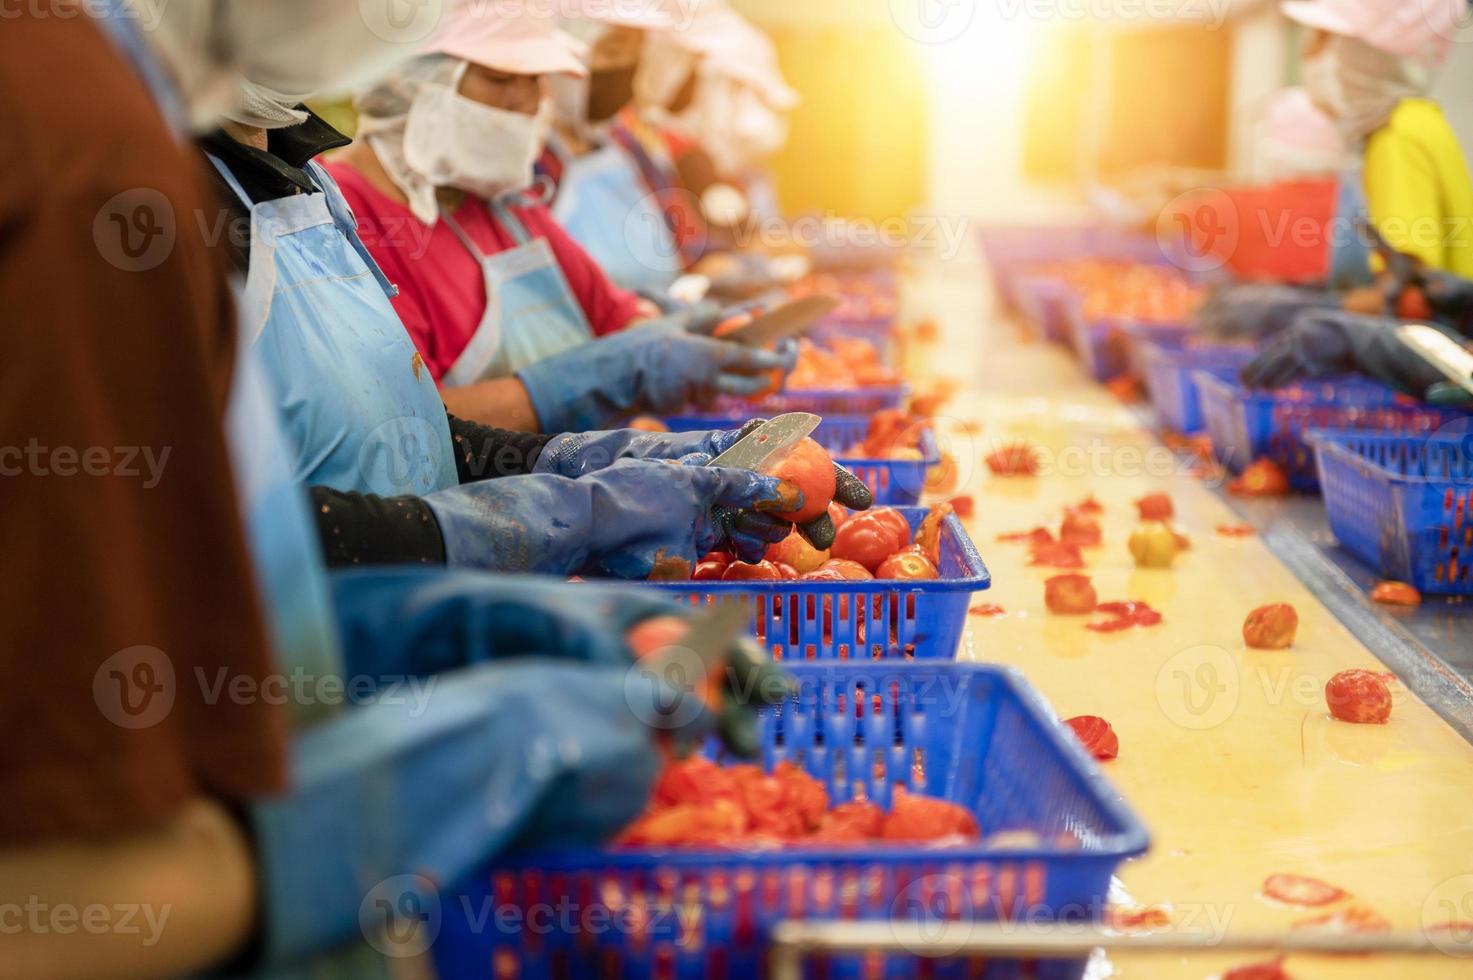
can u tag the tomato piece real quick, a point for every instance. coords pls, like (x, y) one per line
(928, 536)
(1149, 917)
(1267, 970)
(740, 571)
(914, 817)
(1354, 918)
(1080, 529)
(1126, 389)
(1156, 507)
(864, 541)
(809, 468)
(1236, 530)
(1014, 459)
(907, 565)
(1261, 478)
(1039, 535)
(943, 477)
(1123, 616)
(1070, 595)
(716, 823)
(1271, 627)
(1359, 696)
(892, 519)
(889, 429)
(987, 609)
(1089, 505)
(964, 506)
(805, 795)
(1058, 555)
(709, 571)
(1096, 735)
(1301, 890)
(1396, 594)
(794, 550)
(693, 780)
(856, 820)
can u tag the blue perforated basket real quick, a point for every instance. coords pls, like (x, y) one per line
(1167, 365)
(973, 734)
(894, 482)
(860, 620)
(1044, 304)
(1403, 504)
(1103, 344)
(1247, 425)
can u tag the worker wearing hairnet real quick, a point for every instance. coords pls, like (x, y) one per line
(505, 743)
(501, 303)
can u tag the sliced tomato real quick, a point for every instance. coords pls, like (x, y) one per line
(1096, 735)
(1396, 594)
(1124, 616)
(914, 817)
(964, 506)
(1301, 890)
(1089, 505)
(1139, 919)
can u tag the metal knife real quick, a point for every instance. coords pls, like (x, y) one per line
(770, 443)
(786, 321)
(1440, 351)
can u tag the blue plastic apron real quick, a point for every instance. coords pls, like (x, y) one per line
(531, 312)
(360, 407)
(602, 202)
(1350, 255)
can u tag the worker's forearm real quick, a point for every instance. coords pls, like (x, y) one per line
(171, 902)
(503, 402)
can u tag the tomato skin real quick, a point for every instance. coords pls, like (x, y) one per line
(809, 468)
(1096, 735)
(1236, 530)
(1058, 555)
(709, 571)
(1080, 529)
(1124, 615)
(865, 540)
(903, 565)
(846, 570)
(1360, 697)
(1039, 535)
(1271, 627)
(838, 515)
(724, 558)
(919, 818)
(1301, 891)
(794, 550)
(1089, 505)
(1396, 594)
(892, 519)
(694, 780)
(1013, 459)
(1070, 595)
(987, 609)
(740, 571)
(1353, 918)
(1156, 507)
(1267, 970)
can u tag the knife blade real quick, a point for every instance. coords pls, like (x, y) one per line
(786, 321)
(1440, 351)
(769, 444)
(711, 635)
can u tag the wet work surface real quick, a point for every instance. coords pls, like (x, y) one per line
(1228, 754)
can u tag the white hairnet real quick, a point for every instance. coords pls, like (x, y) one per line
(1361, 85)
(383, 112)
(267, 109)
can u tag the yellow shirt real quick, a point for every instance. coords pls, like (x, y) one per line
(1418, 189)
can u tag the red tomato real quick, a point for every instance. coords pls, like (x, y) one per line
(795, 550)
(838, 515)
(964, 506)
(804, 794)
(1096, 735)
(1396, 594)
(1039, 535)
(914, 818)
(907, 565)
(865, 540)
(1070, 595)
(852, 822)
(1150, 917)
(1359, 696)
(1301, 891)
(785, 570)
(715, 823)
(1124, 615)
(709, 571)
(740, 571)
(1056, 556)
(1267, 970)
(724, 557)
(764, 798)
(1156, 507)
(1014, 459)
(892, 519)
(1080, 529)
(1271, 627)
(846, 570)
(1261, 478)
(1235, 530)
(693, 780)
(987, 609)
(809, 468)
(1089, 505)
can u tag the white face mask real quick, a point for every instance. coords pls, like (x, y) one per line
(457, 142)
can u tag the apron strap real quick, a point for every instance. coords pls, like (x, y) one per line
(347, 222)
(459, 232)
(510, 222)
(234, 184)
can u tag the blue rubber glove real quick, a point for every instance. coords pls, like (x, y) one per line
(580, 453)
(656, 367)
(1253, 312)
(526, 753)
(629, 520)
(1328, 343)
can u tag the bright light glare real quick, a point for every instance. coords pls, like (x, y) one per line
(992, 54)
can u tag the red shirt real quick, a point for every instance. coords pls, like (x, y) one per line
(442, 294)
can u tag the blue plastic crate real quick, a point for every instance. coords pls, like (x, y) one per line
(1103, 345)
(1167, 365)
(1247, 425)
(894, 482)
(975, 734)
(1403, 504)
(860, 620)
(1044, 304)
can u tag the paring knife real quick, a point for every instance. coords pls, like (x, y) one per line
(770, 443)
(786, 321)
(1440, 351)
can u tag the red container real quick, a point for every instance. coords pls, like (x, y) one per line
(1271, 233)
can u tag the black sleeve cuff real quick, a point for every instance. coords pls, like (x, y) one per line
(359, 529)
(485, 453)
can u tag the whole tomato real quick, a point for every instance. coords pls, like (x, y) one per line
(795, 550)
(1396, 594)
(845, 569)
(894, 520)
(1080, 529)
(1070, 595)
(1156, 507)
(917, 818)
(787, 571)
(740, 571)
(811, 470)
(907, 565)
(838, 515)
(709, 571)
(1271, 627)
(724, 558)
(865, 540)
(1261, 478)
(1360, 697)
